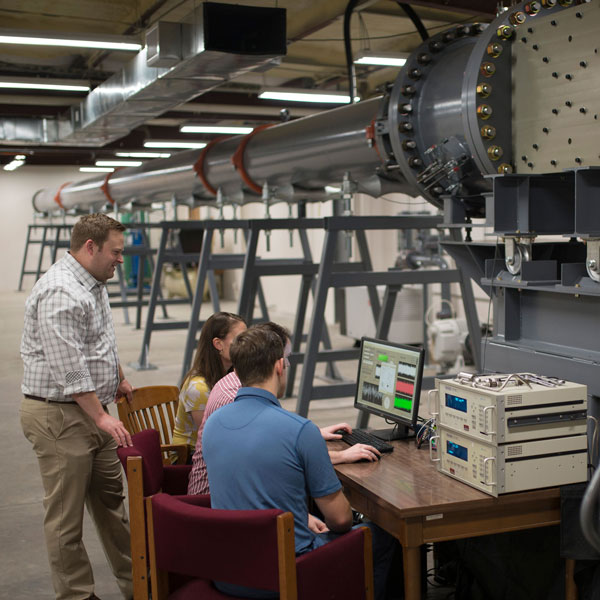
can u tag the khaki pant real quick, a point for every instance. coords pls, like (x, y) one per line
(79, 466)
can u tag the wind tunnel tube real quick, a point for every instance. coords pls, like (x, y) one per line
(447, 121)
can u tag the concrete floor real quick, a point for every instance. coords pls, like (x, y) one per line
(25, 573)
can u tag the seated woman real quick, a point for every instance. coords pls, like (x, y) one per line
(211, 363)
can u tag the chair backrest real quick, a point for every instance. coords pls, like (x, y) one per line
(147, 445)
(153, 407)
(342, 569)
(253, 548)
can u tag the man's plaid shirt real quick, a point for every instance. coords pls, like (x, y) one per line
(68, 344)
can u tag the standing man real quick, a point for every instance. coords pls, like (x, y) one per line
(71, 374)
(259, 456)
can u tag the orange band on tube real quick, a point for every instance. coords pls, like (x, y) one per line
(104, 186)
(199, 164)
(57, 195)
(238, 158)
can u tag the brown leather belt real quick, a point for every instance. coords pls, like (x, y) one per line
(40, 399)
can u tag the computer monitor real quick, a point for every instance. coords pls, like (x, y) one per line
(389, 384)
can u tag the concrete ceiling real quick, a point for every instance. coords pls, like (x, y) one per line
(315, 59)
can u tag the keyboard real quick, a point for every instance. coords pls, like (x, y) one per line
(360, 436)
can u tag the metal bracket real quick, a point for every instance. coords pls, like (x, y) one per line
(592, 261)
(517, 251)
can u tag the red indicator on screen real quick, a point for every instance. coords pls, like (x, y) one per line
(404, 387)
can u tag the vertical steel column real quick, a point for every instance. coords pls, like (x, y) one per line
(248, 289)
(190, 341)
(123, 293)
(317, 322)
(142, 363)
(42, 246)
(27, 242)
(365, 256)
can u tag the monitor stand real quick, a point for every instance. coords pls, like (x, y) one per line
(400, 432)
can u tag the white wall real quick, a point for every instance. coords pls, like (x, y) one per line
(16, 191)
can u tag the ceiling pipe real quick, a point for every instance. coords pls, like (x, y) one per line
(213, 44)
(440, 129)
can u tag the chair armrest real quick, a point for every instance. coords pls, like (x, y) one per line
(180, 449)
(338, 568)
(175, 479)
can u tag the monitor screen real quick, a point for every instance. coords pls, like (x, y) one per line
(389, 380)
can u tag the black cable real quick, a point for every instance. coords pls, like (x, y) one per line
(414, 17)
(348, 48)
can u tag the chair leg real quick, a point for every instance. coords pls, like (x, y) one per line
(139, 559)
(160, 579)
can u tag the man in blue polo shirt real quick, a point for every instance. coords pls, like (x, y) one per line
(259, 456)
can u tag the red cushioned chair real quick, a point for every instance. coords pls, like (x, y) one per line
(253, 548)
(147, 475)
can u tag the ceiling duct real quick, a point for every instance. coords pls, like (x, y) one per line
(213, 44)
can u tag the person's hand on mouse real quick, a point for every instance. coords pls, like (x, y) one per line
(360, 452)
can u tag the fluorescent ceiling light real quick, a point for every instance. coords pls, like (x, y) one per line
(305, 96)
(54, 38)
(119, 163)
(96, 169)
(143, 154)
(14, 164)
(168, 144)
(381, 59)
(20, 157)
(214, 129)
(20, 85)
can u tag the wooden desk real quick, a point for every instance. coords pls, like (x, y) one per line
(405, 495)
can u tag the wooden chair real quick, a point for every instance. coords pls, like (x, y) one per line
(147, 475)
(192, 546)
(154, 407)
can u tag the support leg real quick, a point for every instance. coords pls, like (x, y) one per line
(363, 248)
(41, 256)
(190, 342)
(305, 286)
(411, 558)
(331, 370)
(123, 291)
(143, 363)
(246, 301)
(24, 263)
(316, 326)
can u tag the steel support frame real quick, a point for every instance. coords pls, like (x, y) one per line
(254, 268)
(145, 253)
(332, 275)
(54, 244)
(165, 255)
(208, 263)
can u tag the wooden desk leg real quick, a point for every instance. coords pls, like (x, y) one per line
(411, 558)
(570, 586)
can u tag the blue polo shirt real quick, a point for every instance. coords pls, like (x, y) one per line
(259, 455)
